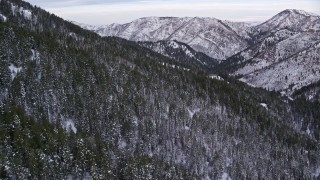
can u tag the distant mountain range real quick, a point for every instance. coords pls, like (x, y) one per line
(216, 38)
(281, 54)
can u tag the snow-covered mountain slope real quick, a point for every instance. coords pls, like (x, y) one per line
(286, 55)
(278, 47)
(216, 38)
(181, 53)
(292, 19)
(281, 65)
(287, 75)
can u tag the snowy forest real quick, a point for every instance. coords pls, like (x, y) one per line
(74, 105)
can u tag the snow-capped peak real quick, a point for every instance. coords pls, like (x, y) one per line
(216, 38)
(300, 12)
(292, 19)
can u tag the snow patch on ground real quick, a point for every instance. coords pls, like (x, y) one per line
(73, 35)
(35, 55)
(4, 18)
(228, 162)
(216, 77)
(246, 54)
(13, 9)
(193, 112)
(135, 120)
(69, 125)
(14, 70)
(188, 52)
(308, 131)
(174, 44)
(225, 176)
(264, 105)
(25, 12)
(311, 96)
(317, 173)
(122, 144)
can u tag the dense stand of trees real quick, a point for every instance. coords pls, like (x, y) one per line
(106, 108)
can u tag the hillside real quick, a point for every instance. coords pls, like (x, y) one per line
(182, 53)
(279, 54)
(77, 105)
(286, 58)
(218, 39)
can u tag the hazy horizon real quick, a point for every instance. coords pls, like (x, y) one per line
(99, 12)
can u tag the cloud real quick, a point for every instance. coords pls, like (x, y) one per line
(122, 11)
(68, 3)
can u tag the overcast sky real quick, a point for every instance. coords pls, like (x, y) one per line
(122, 11)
